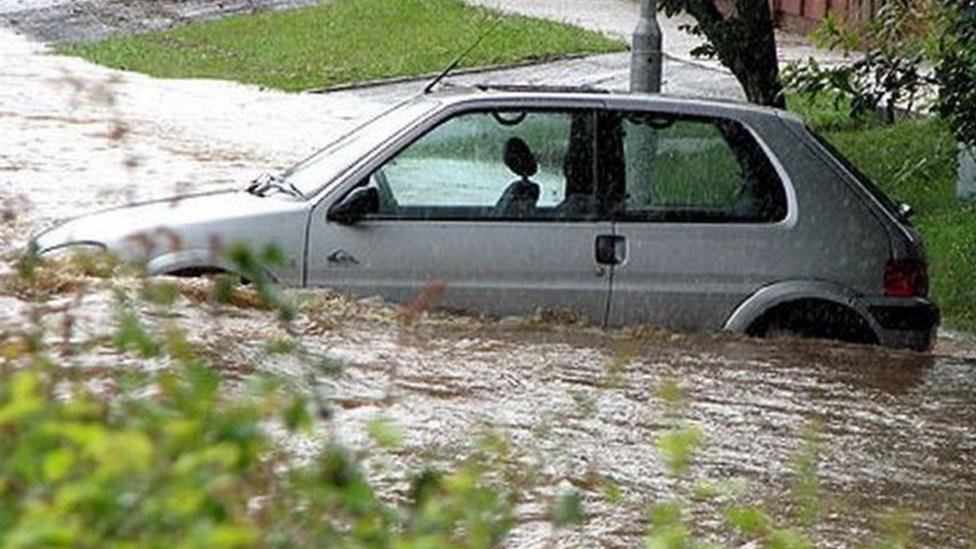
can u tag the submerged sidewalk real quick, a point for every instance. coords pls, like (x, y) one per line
(684, 75)
(619, 17)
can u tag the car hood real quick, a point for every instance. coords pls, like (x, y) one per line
(145, 231)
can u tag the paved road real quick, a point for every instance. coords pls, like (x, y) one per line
(618, 17)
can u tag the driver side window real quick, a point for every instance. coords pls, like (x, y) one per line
(507, 164)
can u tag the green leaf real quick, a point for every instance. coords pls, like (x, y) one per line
(677, 448)
(24, 401)
(131, 336)
(58, 464)
(384, 432)
(163, 294)
(568, 509)
(750, 521)
(296, 416)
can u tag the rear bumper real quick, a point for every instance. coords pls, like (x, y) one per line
(905, 323)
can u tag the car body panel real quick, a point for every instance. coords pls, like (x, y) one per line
(779, 293)
(171, 235)
(502, 268)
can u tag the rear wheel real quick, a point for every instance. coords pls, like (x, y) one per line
(815, 319)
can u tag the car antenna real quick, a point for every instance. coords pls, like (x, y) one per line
(457, 60)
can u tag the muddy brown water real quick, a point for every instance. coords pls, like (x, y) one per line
(579, 404)
(89, 20)
(580, 407)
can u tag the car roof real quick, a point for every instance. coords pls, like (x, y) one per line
(612, 98)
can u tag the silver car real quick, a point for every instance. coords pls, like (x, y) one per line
(630, 209)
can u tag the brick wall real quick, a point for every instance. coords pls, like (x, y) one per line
(809, 12)
(803, 15)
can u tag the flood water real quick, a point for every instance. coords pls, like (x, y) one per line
(578, 403)
(580, 408)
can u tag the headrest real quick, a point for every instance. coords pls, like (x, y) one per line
(519, 158)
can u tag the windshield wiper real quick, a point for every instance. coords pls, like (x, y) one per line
(267, 182)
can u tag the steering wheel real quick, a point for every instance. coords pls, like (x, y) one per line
(656, 122)
(388, 202)
(509, 118)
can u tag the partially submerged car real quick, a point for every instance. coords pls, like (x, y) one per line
(630, 209)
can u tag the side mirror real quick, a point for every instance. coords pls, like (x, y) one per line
(355, 206)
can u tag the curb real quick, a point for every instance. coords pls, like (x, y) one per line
(365, 84)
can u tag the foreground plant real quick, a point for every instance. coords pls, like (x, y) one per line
(178, 458)
(175, 459)
(956, 70)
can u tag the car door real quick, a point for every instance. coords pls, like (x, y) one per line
(700, 216)
(455, 208)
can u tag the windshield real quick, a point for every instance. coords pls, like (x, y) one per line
(312, 174)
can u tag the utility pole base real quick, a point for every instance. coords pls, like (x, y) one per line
(966, 188)
(647, 58)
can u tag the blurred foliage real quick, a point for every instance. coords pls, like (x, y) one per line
(68, 271)
(913, 53)
(568, 509)
(668, 526)
(174, 458)
(806, 488)
(254, 268)
(887, 71)
(956, 69)
(190, 466)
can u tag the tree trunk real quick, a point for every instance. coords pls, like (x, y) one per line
(745, 42)
(757, 68)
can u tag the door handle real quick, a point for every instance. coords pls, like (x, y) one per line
(610, 249)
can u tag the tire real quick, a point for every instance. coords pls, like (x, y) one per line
(815, 319)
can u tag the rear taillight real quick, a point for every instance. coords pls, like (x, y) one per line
(906, 278)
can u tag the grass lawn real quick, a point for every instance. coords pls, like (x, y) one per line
(341, 42)
(914, 160)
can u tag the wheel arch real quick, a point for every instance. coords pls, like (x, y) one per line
(775, 296)
(195, 261)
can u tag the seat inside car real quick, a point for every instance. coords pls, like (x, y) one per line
(578, 169)
(521, 197)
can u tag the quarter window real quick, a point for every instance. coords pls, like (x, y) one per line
(508, 164)
(696, 170)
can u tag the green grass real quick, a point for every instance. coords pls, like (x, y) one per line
(914, 160)
(341, 42)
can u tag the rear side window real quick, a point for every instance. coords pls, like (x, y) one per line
(692, 170)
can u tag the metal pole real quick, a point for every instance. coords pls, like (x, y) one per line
(966, 187)
(646, 61)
